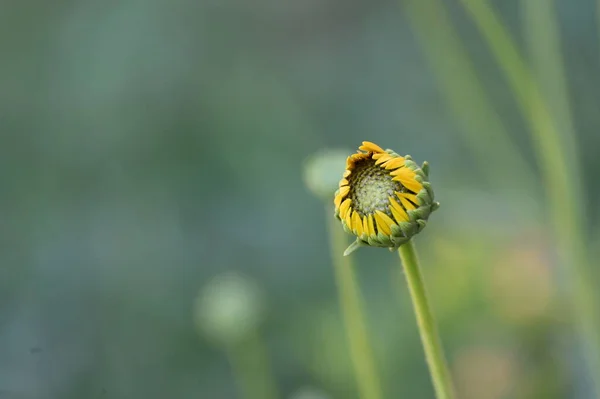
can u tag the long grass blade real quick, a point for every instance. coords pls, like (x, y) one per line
(482, 128)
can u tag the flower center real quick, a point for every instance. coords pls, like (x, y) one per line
(370, 188)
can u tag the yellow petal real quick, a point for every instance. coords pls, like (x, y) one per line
(350, 163)
(370, 147)
(341, 195)
(337, 201)
(354, 158)
(399, 216)
(357, 224)
(381, 226)
(344, 207)
(407, 178)
(343, 182)
(394, 163)
(399, 213)
(344, 191)
(384, 222)
(404, 172)
(346, 173)
(371, 225)
(348, 219)
(410, 197)
(365, 225)
(407, 204)
(412, 185)
(383, 158)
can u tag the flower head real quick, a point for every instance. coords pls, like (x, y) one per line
(383, 198)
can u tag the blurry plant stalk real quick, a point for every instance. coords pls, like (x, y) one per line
(352, 307)
(251, 368)
(229, 311)
(556, 153)
(321, 178)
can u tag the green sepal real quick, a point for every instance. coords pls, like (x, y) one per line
(421, 213)
(398, 240)
(372, 240)
(424, 197)
(346, 228)
(407, 228)
(410, 164)
(397, 231)
(384, 239)
(427, 187)
(425, 168)
(353, 247)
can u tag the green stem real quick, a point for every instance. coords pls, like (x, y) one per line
(250, 363)
(351, 305)
(434, 353)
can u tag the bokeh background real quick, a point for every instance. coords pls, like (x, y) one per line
(148, 147)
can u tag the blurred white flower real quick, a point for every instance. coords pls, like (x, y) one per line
(322, 172)
(229, 308)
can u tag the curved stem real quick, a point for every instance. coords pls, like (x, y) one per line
(351, 305)
(434, 353)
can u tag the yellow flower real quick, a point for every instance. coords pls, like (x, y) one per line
(383, 199)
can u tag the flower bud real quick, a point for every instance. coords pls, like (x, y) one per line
(384, 199)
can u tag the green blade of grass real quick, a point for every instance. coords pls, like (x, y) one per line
(481, 126)
(544, 48)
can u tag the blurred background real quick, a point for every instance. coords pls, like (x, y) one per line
(150, 147)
